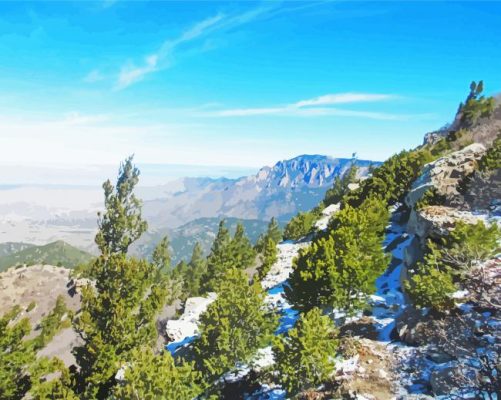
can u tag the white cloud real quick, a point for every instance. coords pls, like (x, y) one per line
(343, 98)
(310, 108)
(132, 74)
(159, 60)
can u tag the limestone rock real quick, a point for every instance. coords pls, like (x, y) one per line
(438, 221)
(445, 173)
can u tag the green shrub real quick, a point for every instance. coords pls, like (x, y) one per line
(156, 376)
(234, 326)
(449, 261)
(305, 357)
(469, 244)
(431, 288)
(392, 180)
(491, 160)
(58, 318)
(15, 355)
(340, 269)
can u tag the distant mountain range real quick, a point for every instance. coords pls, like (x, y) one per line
(187, 209)
(280, 191)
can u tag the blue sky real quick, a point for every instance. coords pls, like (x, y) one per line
(235, 83)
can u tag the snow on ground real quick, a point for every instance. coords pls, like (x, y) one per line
(184, 330)
(388, 301)
(327, 213)
(282, 268)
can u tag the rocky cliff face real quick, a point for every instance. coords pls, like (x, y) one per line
(279, 191)
(444, 177)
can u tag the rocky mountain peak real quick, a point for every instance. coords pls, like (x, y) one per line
(306, 170)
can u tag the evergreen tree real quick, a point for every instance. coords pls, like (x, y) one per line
(234, 326)
(243, 255)
(340, 269)
(392, 180)
(447, 263)
(121, 224)
(15, 355)
(491, 160)
(219, 259)
(269, 258)
(273, 232)
(227, 253)
(432, 286)
(59, 387)
(340, 187)
(468, 245)
(305, 357)
(180, 272)
(300, 225)
(197, 269)
(150, 376)
(476, 105)
(117, 316)
(161, 257)
(118, 312)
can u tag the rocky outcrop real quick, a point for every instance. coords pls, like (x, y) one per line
(445, 174)
(437, 221)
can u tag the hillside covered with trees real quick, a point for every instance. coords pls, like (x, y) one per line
(395, 296)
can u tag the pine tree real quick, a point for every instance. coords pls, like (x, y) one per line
(219, 259)
(234, 326)
(432, 286)
(197, 269)
(340, 187)
(121, 224)
(161, 257)
(243, 255)
(180, 272)
(15, 355)
(273, 232)
(150, 376)
(228, 252)
(117, 316)
(118, 312)
(59, 387)
(305, 357)
(269, 258)
(300, 225)
(340, 269)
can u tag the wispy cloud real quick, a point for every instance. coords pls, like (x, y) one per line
(93, 76)
(162, 58)
(343, 98)
(315, 107)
